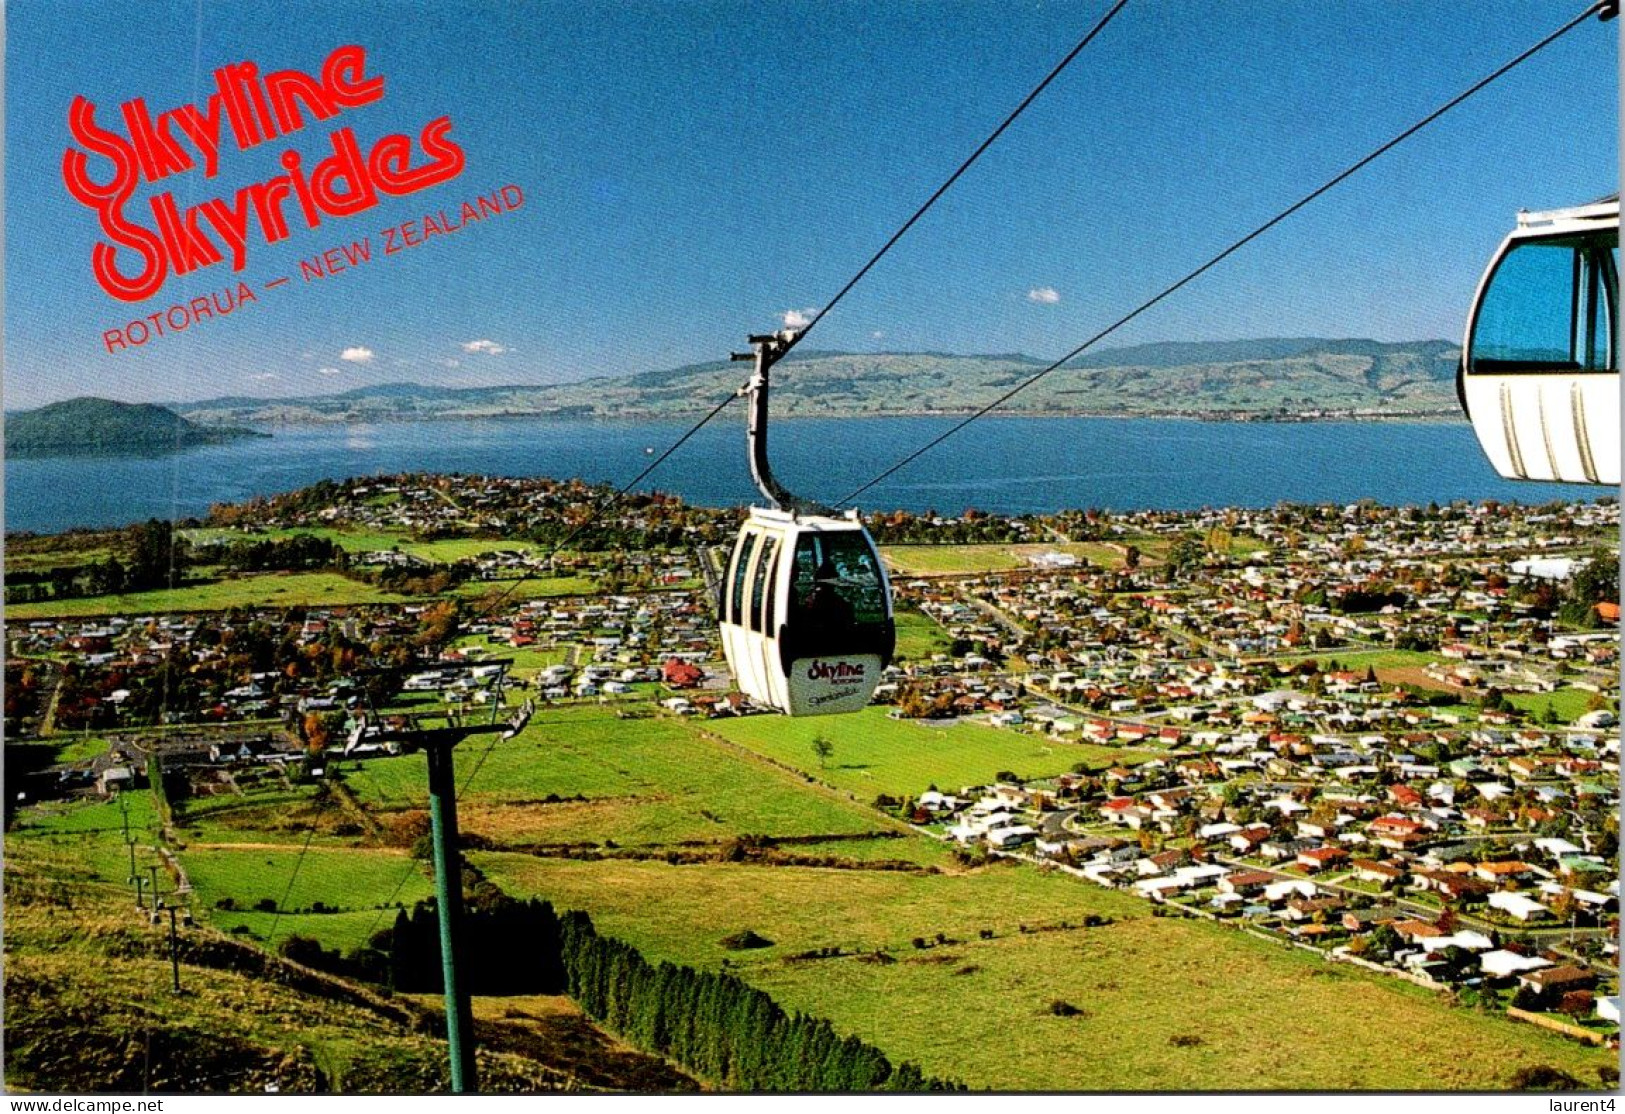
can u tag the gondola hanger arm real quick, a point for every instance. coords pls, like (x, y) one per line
(766, 350)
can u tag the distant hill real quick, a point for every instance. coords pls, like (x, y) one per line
(99, 426)
(1276, 377)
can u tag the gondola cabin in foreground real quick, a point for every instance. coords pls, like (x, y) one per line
(806, 613)
(1540, 363)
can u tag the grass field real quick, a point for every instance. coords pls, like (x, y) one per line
(286, 589)
(1379, 660)
(928, 560)
(442, 551)
(90, 1010)
(1167, 1004)
(134, 810)
(528, 588)
(800, 908)
(357, 883)
(876, 754)
(642, 782)
(262, 590)
(77, 748)
(527, 660)
(937, 560)
(268, 814)
(919, 636)
(1567, 705)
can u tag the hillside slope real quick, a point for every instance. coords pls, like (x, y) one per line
(80, 960)
(1271, 377)
(84, 426)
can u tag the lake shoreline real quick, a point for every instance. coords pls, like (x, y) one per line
(1427, 417)
(1006, 464)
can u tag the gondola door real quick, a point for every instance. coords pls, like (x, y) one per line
(837, 633)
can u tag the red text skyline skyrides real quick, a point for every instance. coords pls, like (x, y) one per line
(257, 109)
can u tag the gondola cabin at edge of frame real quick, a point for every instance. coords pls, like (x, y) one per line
(806, 613)
(1539, 374)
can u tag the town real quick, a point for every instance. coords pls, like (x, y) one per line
(1383, 737)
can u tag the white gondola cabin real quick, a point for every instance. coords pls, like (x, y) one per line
(804, 605)
(1540, 362)
(806, 613)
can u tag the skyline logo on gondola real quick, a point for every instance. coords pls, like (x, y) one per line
(838, 672)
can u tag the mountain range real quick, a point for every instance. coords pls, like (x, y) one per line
(1276, 377)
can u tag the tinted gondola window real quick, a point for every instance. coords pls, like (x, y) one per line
(770, 614)
(747, 546)
(759, 585)
(837, 579)
(1548, 307)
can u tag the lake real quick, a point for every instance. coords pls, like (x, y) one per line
(1002, 464)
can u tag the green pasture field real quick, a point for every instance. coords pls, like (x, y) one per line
(876, 754)
(1167, 1004)
(99, 857)
(358, 882)
(1154, 548)
(101, 816)
(259, 863)
(1353, 658)
(448, 550)
(930, 560)
(264, 815)
(681, 912)
(353, 540)
(286, 589)
(527, 660)
(77, 748)
(919, 636)
(260, 590)
(927, 560)
(49, 559)
(644, 781)
(911, 847)
(1096, 553)
(1569, 704)
(528, 588)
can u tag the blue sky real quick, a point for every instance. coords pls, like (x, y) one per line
(693, 171)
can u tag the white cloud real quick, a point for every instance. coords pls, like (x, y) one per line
(799, 318)
(878, 334)
(328, 371)
(357, 355)
(1044, 295)
(489, 347)
(265, 377)
(448, 362)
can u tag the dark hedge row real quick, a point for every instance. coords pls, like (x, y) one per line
(714, 1025)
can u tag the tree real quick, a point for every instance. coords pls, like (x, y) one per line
(316, 731)
(156, 555)
(1384, 941)
(1186, 553)
(1597, 581)
(1527, 998)
(823, 748)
